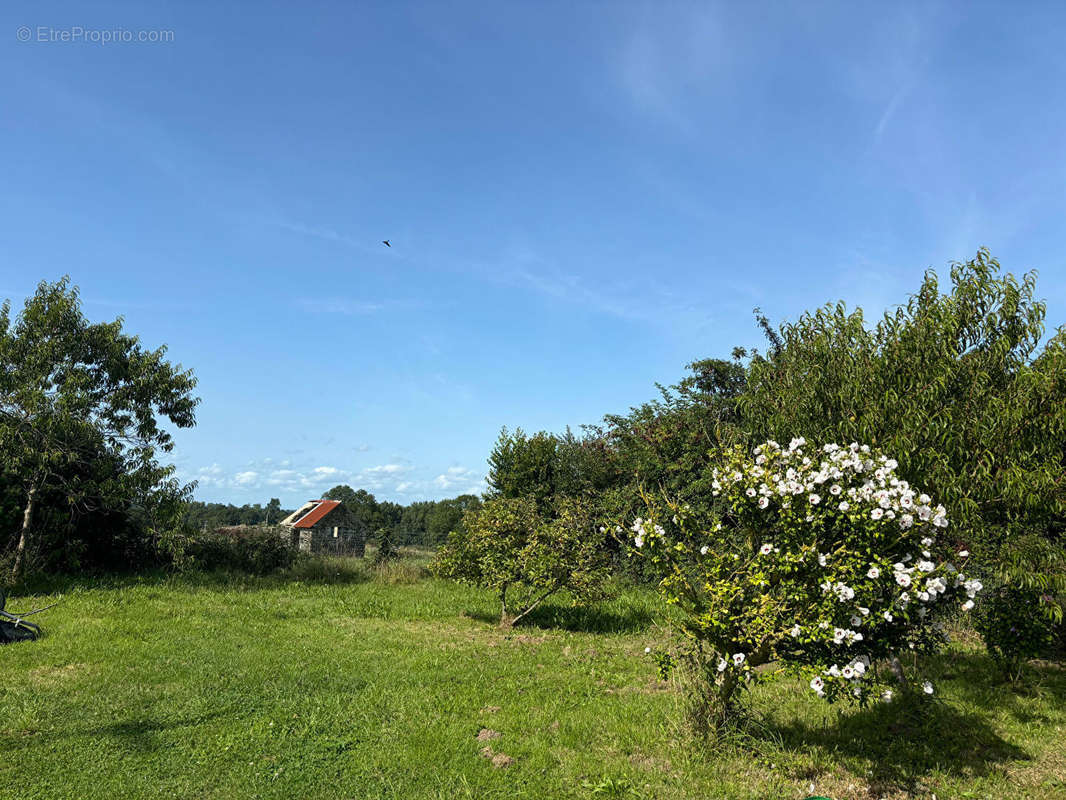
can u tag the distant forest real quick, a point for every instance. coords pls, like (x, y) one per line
(426, 522)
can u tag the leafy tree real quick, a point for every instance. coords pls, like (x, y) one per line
(446, 515)
(359, 507)
(524, 556)
(666, 444)
(272, 513)
(822, 561)
(71, 390)
(523, 466)
(958, 385)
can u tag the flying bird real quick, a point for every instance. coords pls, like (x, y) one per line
(386, 242)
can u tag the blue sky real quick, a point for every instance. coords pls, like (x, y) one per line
(581, 198)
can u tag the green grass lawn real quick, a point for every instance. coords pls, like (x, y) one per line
(335, 682)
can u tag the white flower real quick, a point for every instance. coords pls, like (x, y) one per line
(888, 616)
(864, 611)
(722, 664)
(926, 566)
(906, 520)
(738, 659)
(647, 649)
(814, 499)
(834, 489)
(873, 573)
(877, 513)
(750, 492)
(847, 672)
(859, 667)
(927, 687)
(967, 605)
(887, 695)
(821, 560)
(763, 502)
(818, 685)
(834, 671)
(766, 548)
(903, 579)
(844, 506)
(638, 540)
(795, 632)
(964, 553)
(855, 621)
(839, 634)
(703, 550)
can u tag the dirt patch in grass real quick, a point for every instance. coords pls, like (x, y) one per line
(499, 760)
(485, 734)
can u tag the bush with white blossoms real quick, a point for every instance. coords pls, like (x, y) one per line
(823, 560)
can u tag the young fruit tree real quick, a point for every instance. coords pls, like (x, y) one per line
(525, 556)
(73, 395)
(823, 561)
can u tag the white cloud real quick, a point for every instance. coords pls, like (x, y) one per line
(455, 477)
(247, 479)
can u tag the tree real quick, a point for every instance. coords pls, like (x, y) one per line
(666, 444)
(523, 466)
(360, 508)
(272, 513)
(956, 384)
(446, 515)
(823, 560)
(524, 556)
(71, 389)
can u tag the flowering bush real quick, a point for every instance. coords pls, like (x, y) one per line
(822, 560)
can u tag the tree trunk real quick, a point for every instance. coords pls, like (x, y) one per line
(24, 535)
(506, 618)
(896, 666)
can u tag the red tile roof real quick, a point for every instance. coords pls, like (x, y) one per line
(313, 516)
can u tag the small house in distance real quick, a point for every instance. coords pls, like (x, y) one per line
(320, 526)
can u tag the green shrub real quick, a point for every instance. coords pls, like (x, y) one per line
(254, 550)
(1013, 629)
(526, 556)
(385, 551)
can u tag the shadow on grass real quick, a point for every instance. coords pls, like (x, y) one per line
(578, 619)
(141, 735)
(901, 743)
(977, 681)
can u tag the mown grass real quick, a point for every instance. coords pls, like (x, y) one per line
(338, 681)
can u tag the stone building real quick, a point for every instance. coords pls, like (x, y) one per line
(321, 526)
